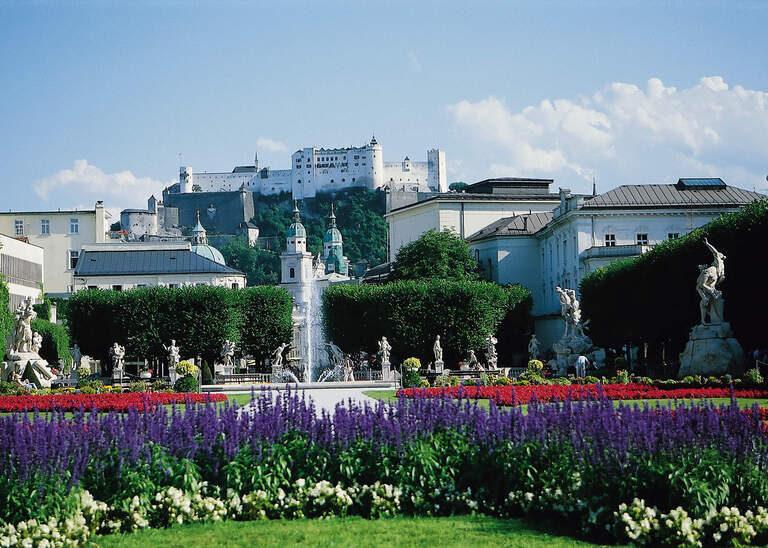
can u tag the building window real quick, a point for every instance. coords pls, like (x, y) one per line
(74, 226)
(74, 254)
(235, 286)
(642, 239)
(173, 286)
(117, 287)
(292, 273)
(92, 287)
(353, 179)
(610, 240)
(673, 235)
(45, 226)
(18, 227)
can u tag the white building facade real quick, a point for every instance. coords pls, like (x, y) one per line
(61, 234)
(316, 170)
(21, 268)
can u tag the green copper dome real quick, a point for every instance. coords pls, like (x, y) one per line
(332, 235)
(209, 252)
(296, 229)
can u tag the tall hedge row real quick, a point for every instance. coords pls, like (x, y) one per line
(198, 318)
(6, 318)
(411, 313)
(652, 298)
(55, 342)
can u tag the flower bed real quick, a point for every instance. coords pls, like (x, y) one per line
(601, 469)
(101, 402)
(515, 395)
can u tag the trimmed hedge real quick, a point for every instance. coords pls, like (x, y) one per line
(6, 317)
(55, 342)
(411, 313)
(652, 298)
(198, 318)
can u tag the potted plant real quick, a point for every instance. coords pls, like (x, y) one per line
(145, 373)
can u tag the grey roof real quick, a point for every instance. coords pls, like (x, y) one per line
(123, 263)
(670, 196)
(459, 196)
(517, 225)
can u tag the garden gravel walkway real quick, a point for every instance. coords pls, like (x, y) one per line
(328, 398)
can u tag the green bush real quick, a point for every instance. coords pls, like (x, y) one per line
(138, 386)
(412, 313)
(198, 318)
(753, 376)
(55, 342)
(622, 376)
(159, 386)
(412, 363)
(187, 368)
(186, 384)
(591, 380)
(8, 388)
(441, 255)
(6, 317)
(43, 309)
(535, 367)
(411, 378)
(669, 272)
(90, 386)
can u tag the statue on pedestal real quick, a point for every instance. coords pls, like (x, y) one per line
(117, 354)
(491, 357)
(23, 354)
(533, 347)
(710, 276)
(77, 357)
(438, 350)
(384, 349)
(22, 329)
(173, 354)
(278, 356)
(228, 353)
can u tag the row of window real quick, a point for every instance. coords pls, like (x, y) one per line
(641, 238)
(45, 226)
(171, 286)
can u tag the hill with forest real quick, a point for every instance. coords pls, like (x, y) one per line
(359, 217)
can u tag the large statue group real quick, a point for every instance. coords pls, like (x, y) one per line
(22, 336)
(25, 366)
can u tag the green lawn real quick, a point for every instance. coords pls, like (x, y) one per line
(389, 395)
(453, 531)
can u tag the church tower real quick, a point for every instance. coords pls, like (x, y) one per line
(296, 260)
(333, 249)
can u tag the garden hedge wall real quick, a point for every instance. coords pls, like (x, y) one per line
(411, 313)
(198, 318)
(55, 342)
(652, 298)
(6, 318)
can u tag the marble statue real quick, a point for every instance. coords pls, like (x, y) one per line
(570, 310)
(117, 354)
(533, 347)
(349, 373)
(712, 350)
(384, 349)
(490, 351)
(438, 350)
(228, 353)
(37, 342)
(574, 341)
(278, 355)
(173, 354)
(473, 362)
(77, 357)
(710, 276)
(22, 329)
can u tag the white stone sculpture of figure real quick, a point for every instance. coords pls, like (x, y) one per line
(565, 306)
(278, 355)
(349, 372)
(228, 352)
(117, 353)
(574, 307)
(569, 308)
(77, 357)
(37, 342)
(22, 332)
(384, 350)
(533, 347)
(490, 351)
(173, 354)
(438, 350)
(473, 362)
(711, 306)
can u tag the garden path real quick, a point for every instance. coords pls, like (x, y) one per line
(328, 398)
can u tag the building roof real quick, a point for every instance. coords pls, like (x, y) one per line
(209, 252)
(517, 225)
(511, 185)
(672, 196)
(465, 196)
(150, 261)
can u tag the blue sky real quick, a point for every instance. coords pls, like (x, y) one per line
(98, 100)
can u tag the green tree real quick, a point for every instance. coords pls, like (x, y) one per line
(6, 318)
(260, 267)
(443, 255)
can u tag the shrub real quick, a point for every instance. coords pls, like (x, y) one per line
(412, 363)
(412, 313)
(93, 386)
(8, 387)
(158, 386)
(502, 381)
(55, 342)
(83, 371)
(6, 317)
(187, 368)
(622, 376)
(592, 380)
(138, 386)
(43, 310)
(753, 376)
(186, 384)
(535, 367)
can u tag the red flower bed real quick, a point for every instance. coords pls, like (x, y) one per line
(514, 395)
(101, 402)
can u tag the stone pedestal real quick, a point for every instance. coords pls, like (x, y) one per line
(712, 351)
(386, 371)
(29, 366)
(439, 366)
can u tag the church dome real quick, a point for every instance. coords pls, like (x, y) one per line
(297, 230)
(332, 235)
(209, 252)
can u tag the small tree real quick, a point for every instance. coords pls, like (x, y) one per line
(196, 188)
(442, 255)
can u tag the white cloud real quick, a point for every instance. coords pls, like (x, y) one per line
(413, 61)
(86, 182)
(625, 134)
(271, 145)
